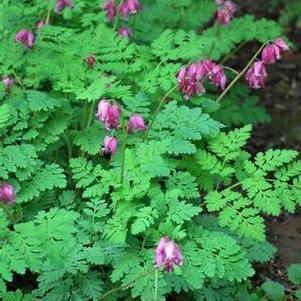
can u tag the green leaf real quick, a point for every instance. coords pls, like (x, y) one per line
(145, 217)
(294, 273)
(273, 289)
(4, 115)
(182, 125)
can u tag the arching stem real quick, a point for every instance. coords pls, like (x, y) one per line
(235, 80)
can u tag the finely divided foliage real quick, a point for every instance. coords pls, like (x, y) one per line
(87, 193)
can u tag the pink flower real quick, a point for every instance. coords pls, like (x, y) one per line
(270, 54)
(90, 60)
(129, 7)
(39, 25)
(25, 37)
(125, 32)
(167, 254)
(111, 9)
(283, 47)
(190, 79)
(110, 146)
(61, 4)
(274, 51)
(7, 194)
(256, 75)
(7, 81)
(136, 122)
(108, 114)
(102, 111)
(112, 119)
(215, 74)
(225, 12)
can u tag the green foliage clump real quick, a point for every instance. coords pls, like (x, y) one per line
(85, 226)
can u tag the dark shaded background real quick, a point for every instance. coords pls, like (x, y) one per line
(282, 99)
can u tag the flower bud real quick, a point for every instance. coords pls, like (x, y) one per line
(90, 60)
(124, 32)
(7, 194)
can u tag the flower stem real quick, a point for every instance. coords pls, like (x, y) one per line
(117, 15)
(48, 12)
(69, 144)
(156, 285)
(8, 214)
(233, 52)
(124, 139)
(217, 31)
(90, 115)
(123, 287)
(18, 79)
(234, 81)
(157, 112)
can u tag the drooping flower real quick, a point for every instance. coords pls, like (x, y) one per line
(225, 11)
(112, 119)
(7, 81)
(39, 25)
(125, 32)
(111, 9)
(270, 54)
(216, 74)
(61, 4)
(190, 80)
(282, 45)
(108, 114)
(7, 194)
(256, 75)
(90, 60)
(102, 111)
(274, 51)
(168, 254)
(129, 7)
(110, 146)
(25, 37)
(136, 122)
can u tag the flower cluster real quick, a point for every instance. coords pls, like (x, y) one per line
(225, 11)
(126, 8)
(7, 194)
(167, 254)
(61, 4)
(25, 37)
(109, 115)
(257, 74)
(190, 78)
